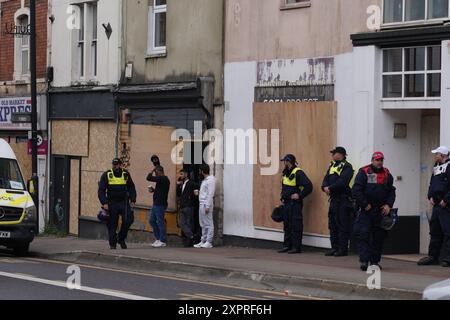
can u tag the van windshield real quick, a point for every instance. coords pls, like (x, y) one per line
(10, 176)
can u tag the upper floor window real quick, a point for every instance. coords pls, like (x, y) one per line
(397, 11)
(412, 72)
(290, 4)
(86, 41)
(24, 47)
(157, 27)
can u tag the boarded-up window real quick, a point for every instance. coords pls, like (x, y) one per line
(307, 130)
(146, 141)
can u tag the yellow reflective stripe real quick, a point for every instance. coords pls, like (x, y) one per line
(293, 182)
(338, 170)
(14, 222)
(113, 180)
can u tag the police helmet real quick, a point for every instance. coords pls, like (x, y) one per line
(388, 222)
(277, 214)
(103, 215)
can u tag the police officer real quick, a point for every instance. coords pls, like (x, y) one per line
(439, 197)
(336, 185)
(295, 188)
(117, 194)
(374, 193)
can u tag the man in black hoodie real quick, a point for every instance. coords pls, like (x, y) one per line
(439, 197)
(336, 185)
(295, 188)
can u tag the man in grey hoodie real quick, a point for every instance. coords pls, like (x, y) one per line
(206, 199)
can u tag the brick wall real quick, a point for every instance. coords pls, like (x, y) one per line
(8, 9)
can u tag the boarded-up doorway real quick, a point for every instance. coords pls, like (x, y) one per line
(150, 140)
(307, 130)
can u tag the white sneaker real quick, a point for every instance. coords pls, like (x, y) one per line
(207, 245)
(160, 245)
(156, 243)
(199, 245)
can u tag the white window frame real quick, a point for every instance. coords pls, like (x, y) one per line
(85, 46)
(404, 22)
(81, 56)
(402, 73)
(152, 12)
(94, 40)
(19, 74)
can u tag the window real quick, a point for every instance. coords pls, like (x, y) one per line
(291, 4)
(24, 50)
(94, 41)
(22, 45)
(86, 42)
(412, 72)
(157, 27)
(397, 11)
(81, 43)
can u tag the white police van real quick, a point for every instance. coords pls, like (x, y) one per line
(17, 209)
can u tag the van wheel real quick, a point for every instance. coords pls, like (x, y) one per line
(22, 250)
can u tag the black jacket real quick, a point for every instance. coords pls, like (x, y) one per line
(339, 184)
(440, 183)
(161, 190)
(370, 192)
(302, 181)
(107, 193)
(186, 196)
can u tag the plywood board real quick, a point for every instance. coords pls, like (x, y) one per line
(74, 196)
(146, 141)
(90, 205)
(102, 140)
(70, 137)
(307, 130)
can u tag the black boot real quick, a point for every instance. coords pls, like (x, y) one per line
(284, 250)
(330, 253)
(123, 245)
(364, 266)
(341, 253)
(446, 264)
(428, 261)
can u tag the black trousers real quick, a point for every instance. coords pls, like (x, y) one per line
(187, 222)
(293, 225)
(439, 230)
(370, 236)
(339, 222)
(117, 209)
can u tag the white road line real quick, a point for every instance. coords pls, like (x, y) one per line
(62, 284)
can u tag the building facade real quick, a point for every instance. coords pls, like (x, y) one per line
(172, 73)
(85, 62)
(15, 94)
(126, 75)
(368, 75)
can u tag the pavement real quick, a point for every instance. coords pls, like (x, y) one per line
(310, 274)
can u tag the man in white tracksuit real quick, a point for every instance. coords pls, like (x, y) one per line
(206, 199)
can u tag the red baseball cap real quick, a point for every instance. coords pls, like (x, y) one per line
(378, 155)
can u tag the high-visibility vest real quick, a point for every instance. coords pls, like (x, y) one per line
(338, 170)
(291, 180)
(117, 181)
